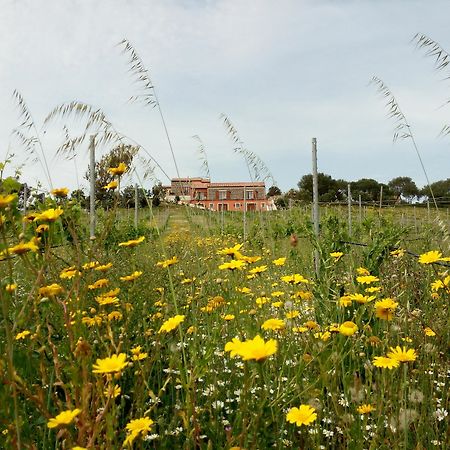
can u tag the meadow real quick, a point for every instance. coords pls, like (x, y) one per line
(178, 334)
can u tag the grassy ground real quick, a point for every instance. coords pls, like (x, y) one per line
(152, 343)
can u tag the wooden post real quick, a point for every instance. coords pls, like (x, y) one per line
(92, 187)
(360, 208)
(136, 205)
(381, 197)
(245, 215)
(415, 220)
(349, 200)
(428, 210)
(316, 217)
(25, 200)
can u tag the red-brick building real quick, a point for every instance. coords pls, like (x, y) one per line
(249, 195)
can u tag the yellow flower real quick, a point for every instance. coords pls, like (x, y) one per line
(115, 315)
(11, 287)
(99, 284)
(136, 427)
(90, 265)
(119, 170)
(336, 255)
(365, 409)
(136, 274)
(41, 228)
(402, 354)
(323, 336)
(367, 279)
(103, 267)
(429, 332)
(168, 262)
(22, 335)
(311, 325)
(273, 324)
(5, 200)
(279, 261)
(292, 314)
(231, 251)
(295, 279)
(113, 364)
(69, 273)
(258, 269)
(233, 264)
(398, 253)
(304, 415)
(112, 391)
(139, 356)
(111, 186)
(77, 447)
(371, 290)
(430, 257)
(171, 324)
(385, 308)
(63, 418)
(385, 363)
(345, 300)
(362, 271)
(359, 298)
(132, 242)
(23, 247)
(104, 300)
(252, 349)
(228, 317)
(60, 192)
(348, 328)
(49, 215)
(50, 290)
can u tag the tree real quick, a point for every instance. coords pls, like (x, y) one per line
(120, 154)
(158, 194)
(127, 197)
(404, 187)
(79, 196)
(329, 188)
(441, 190)
(368, 188)
(273, 190)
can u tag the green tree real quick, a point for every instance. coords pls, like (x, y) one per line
(368, 188)
(329, 189)
(404, 187)
(122, 153)
(273, 190)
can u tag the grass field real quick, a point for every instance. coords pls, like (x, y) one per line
(177, 334)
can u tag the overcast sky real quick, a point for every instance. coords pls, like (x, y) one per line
(283, 71)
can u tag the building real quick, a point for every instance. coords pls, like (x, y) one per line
(200, 192)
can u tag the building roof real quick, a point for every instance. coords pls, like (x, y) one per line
(239, 184)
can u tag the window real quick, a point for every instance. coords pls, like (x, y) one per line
(249, 195)
(211, 206)
(222, 195)
(263, 205)
(237, 205)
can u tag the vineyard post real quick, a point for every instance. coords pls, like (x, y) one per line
(315, 203)
(415, 219)
(245, 215)
(92, 187)
(25, 199)
(360, 208)
(428, 210)
(381, 197)
(349, 200)
(135, 205)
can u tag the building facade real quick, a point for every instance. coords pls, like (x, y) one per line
(249, 196)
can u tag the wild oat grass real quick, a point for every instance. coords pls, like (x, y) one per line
(190, 338)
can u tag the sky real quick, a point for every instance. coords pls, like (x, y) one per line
(283, 71)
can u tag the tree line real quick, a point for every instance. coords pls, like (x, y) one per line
(398, 190)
